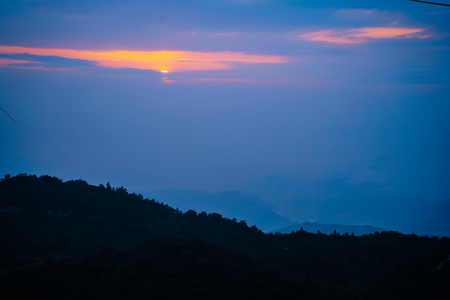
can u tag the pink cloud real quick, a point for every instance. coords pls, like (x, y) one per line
(16, 63)
(361, 35)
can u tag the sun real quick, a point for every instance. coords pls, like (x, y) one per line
(164, 71)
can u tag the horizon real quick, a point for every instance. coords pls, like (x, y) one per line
(263, 217)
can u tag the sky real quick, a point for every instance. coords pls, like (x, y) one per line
(219, 94)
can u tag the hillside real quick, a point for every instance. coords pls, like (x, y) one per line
(45, 216)
(73, 240)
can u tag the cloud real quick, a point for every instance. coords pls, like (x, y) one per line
(25, 60)
(174, 61)
(362, 35)
(8, 62)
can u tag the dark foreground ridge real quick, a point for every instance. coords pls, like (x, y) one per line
(72, 240)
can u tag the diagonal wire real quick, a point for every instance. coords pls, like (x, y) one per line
(9, 115)
(435, 3)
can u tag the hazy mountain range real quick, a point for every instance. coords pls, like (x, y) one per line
(275, 202)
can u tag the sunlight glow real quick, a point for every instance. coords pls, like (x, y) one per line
(176, 61)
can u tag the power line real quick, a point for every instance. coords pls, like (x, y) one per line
(9, 115)
(435, 3)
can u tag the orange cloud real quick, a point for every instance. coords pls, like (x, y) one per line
(361, 35)
(173, 61)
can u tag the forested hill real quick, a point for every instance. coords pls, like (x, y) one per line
(72, 240)
(44, 215)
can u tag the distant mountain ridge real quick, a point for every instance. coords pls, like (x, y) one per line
(357, 230)
(340, 199)
(274, 203)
